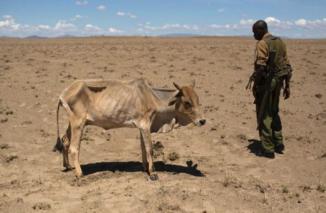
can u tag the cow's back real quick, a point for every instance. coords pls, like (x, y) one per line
(118, 103)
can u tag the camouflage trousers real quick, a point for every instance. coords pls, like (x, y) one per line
(267, 110)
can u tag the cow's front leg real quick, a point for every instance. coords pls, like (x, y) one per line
(143, 152)
(146, 139)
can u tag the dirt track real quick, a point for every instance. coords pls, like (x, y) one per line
(213, 169)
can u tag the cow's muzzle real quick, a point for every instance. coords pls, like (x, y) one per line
(200, 122)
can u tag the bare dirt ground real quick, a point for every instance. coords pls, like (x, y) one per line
(203, 169)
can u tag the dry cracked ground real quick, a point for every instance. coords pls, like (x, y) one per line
(208, 169)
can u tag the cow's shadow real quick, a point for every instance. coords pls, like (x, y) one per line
(134, 166)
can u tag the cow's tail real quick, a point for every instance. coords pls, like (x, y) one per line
(59, 145)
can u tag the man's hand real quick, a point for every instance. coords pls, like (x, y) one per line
(286, 92)
(254, 90)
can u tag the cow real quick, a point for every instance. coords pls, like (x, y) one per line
(113, 104)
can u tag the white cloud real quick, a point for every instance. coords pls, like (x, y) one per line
(76, 17)
(9, 23)
(7, 17)
(221, 10)
(311, 24)
(43, 27)
(225, 26)
(272, 21)
(101, 7)
(301, 27)
(92, 28)
(5, 23)
(291, 28)
(147, 26)
(130, 15)
(81, 2)
(247, 21)
(63, 25)
(121, 13)
(215, 26)
(301, 22)
(9, 27)
(114, 30)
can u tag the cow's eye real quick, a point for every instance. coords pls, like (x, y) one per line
(187, 105)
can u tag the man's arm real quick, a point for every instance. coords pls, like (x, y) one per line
(261, 61)
(261, 53)
(286, 91)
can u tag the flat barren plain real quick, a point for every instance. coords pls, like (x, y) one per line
(212, 168)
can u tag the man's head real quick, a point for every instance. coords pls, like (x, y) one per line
(259, 29)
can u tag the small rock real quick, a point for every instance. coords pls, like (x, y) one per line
(4, 120)
(26, 123)
(10, 112)
(14, 182)
(4, 146)
(20, 200)
(242, 137)
(11, 158)
(173, 156)
(44, 134)
(158, 149)
(41, 206)
(318, 95)
(158, 146)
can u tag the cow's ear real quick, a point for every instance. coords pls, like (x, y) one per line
(177, 86)
(172, 101)
(193, 83)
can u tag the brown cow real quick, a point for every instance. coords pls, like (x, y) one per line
(112, 104)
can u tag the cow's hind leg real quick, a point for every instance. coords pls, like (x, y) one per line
(146, 137)
(76, 132)
(66, 143)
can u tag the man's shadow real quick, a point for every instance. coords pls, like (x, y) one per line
(254, 147)
(135, 166)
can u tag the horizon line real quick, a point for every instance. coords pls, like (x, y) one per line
(172, 35)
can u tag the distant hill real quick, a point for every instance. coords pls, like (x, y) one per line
(66, 36)
(44, 37)
(180, 35)
(35, 37)
(8, 37)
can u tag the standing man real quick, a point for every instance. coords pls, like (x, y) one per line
(272, 73)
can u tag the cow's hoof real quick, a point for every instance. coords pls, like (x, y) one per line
(153, 177)
(67, 169)
(78, 175)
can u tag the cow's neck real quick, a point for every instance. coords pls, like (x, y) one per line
(166, 110)
(165, 115)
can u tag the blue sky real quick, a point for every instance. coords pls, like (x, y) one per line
(291, 18)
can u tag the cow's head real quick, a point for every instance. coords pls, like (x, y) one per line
(186, 103)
